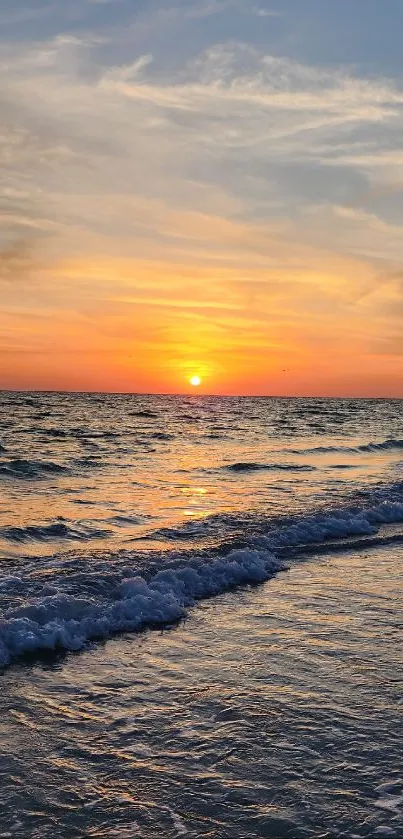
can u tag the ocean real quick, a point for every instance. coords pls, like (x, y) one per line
(201, 617)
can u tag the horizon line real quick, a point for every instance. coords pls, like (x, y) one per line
(194, 394)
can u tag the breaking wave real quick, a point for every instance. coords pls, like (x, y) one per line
(64, 603)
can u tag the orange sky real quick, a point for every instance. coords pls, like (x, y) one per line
(234, 217)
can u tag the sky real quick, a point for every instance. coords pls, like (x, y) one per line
(210, 188)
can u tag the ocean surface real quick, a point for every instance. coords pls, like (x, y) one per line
(201, 612)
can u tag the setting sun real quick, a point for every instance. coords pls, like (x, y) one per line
(195, 381)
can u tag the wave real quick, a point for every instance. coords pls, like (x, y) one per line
(54, 432)
(88, 462)
(278, 467)
(66, 602)
(20, 469)
(384, 445)
(392, 443)
(341, 466)
(146, 414)
(121, 520)
(49, 532)
(42, 415)
(92, 434)
(68, 622)
(30, 469)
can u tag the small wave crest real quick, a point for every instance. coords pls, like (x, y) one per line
(244, 466)
(392, 443)
(57, 530)
(54, 432)
(144, 414)
(30, 469)
(88, 462)
(383, 445)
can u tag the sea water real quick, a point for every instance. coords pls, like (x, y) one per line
(201, 612)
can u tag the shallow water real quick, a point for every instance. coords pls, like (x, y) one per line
(270, 712)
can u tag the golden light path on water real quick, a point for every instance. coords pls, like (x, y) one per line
(100, 472)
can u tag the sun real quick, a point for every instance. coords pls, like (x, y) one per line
(195, 381)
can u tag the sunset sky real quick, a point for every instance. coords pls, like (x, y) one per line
(202, 188)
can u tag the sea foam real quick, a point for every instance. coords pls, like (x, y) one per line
(68, 622)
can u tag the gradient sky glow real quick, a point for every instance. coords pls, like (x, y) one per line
(209, 188)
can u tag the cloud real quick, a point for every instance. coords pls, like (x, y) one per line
(190, 189)
(242, 81)
(209, 123)
(260, 12)
(17, 261)
(202, 10)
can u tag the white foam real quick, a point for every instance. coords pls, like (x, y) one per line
(337, 525)
(68, 621)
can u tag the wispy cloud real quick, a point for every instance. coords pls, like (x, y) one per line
(260, 12)
(17, 260)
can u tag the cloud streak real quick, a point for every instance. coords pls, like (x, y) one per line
(17, 261)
